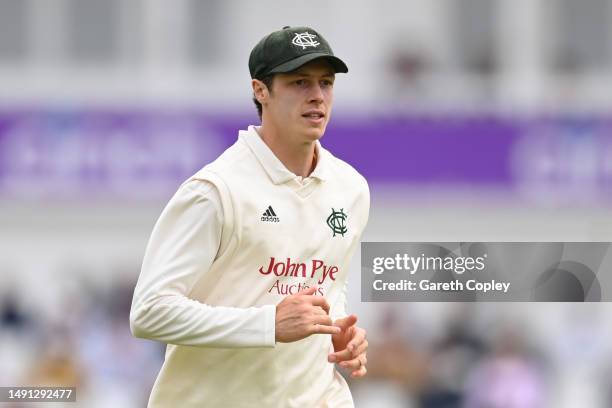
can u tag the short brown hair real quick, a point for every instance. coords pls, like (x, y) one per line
(267, 80)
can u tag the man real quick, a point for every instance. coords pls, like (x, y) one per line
(244, 276)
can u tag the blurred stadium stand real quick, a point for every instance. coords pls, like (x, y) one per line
(478, 120)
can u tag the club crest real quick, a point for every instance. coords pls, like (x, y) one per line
(337, 222)
(305, 40)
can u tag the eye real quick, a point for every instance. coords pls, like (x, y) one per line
(327, 82)
(300, 82)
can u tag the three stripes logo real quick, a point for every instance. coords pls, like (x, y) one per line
(269, 215)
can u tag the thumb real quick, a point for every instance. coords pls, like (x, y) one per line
(346, 322)
(308, 291)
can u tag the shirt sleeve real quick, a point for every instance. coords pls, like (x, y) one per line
(183, 245)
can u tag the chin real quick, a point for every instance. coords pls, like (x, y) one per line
(314, 133)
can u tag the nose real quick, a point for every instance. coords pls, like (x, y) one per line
(316, 94)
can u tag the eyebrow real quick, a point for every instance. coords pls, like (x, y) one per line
(303, 74)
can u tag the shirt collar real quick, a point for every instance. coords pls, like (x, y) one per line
(272, 165)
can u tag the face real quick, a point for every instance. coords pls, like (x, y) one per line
(300, 103)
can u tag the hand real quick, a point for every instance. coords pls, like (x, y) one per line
(350, 346)
(300, 315)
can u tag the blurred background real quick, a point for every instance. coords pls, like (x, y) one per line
(473, 120)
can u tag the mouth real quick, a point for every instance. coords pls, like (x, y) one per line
(314, 116)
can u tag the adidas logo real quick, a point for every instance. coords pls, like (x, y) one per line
(269, 215)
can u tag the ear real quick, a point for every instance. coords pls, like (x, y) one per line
(260, 91)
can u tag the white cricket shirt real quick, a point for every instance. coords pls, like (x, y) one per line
(237, 238)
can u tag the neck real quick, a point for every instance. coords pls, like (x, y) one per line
(297, 156)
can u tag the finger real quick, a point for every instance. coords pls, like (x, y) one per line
(358, 338)
(323, 319)
(360, 349)
(319, 301)
(345, 354)
(324, 329)
(308, 291)
(353, 364)
(359, 373)
(319, 311)
(339, 356)
(347, 321)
